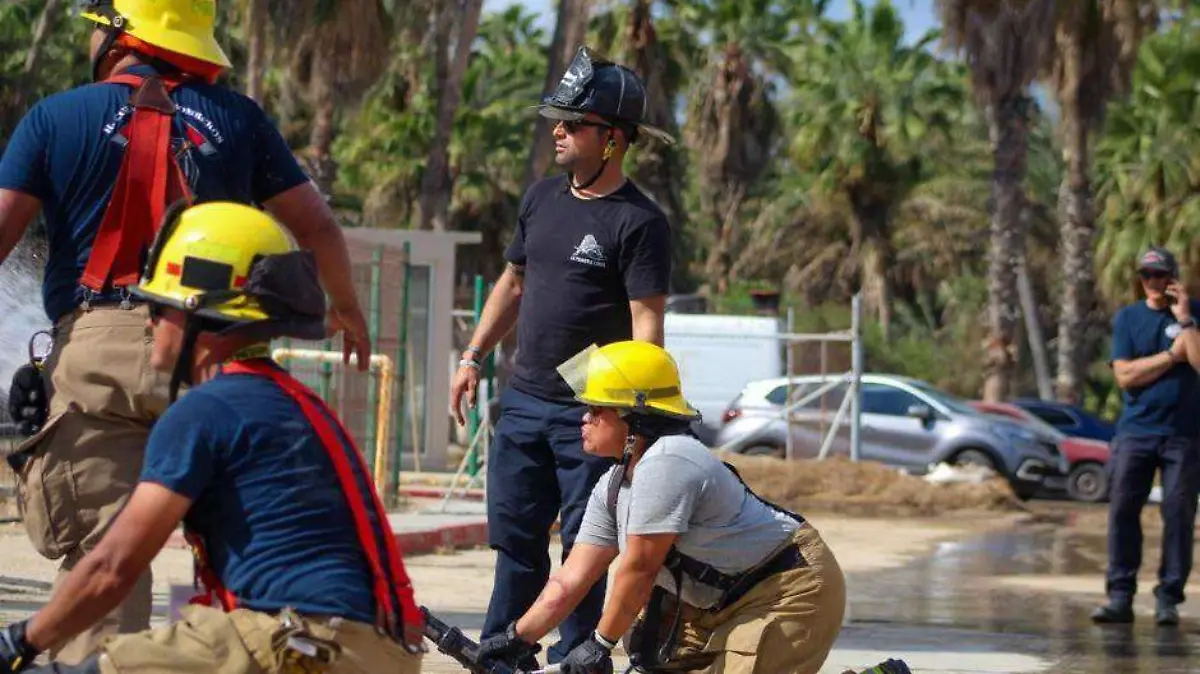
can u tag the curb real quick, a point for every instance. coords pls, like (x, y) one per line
(440, 493)
(412, 543)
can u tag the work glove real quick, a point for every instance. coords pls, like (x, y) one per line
(590, 657)
(16, 654)
(28, 404)
(509, 647)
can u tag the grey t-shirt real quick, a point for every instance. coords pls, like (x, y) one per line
(679, 487)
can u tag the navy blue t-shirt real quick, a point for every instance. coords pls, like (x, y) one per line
(584, 260)
(266, 500)
(67, 152)
(1166, 406)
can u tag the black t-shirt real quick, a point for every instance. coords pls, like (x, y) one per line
(584, 260)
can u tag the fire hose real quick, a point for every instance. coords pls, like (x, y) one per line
(451, 641)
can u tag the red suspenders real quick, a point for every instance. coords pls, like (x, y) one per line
(392, 588)
(149, 180)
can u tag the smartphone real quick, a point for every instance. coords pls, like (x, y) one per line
(1174, 299)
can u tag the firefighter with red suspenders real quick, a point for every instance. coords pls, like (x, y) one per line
(298, 569)
(101, 163)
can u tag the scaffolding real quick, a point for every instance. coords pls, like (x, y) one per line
(851, 404)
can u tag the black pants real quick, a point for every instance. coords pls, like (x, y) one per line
(536, 466)
(1131, 467)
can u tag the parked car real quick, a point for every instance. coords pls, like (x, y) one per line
(1069, 419)
(905, 423)
(1087, 477)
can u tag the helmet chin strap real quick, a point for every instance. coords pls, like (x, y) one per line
(182, 374)
(609, 147)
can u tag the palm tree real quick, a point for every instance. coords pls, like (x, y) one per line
(655, 48)
(1149, 191)
(732, 124)
(1096, 47)
(864, 105)
(337, 51)
(1005, 43)
(569, 32)
(437, 184)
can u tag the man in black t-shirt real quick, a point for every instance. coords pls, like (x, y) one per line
(590, 263)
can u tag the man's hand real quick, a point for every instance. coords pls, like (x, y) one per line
(16, 653)
(356, 338)
(507, 646)
(1181, 306)
(590, 657)
(466, 382)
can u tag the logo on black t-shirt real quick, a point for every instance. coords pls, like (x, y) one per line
(589, 252)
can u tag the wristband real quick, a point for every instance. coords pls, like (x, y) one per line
(475, 350)
(603, 641)
(469, 363)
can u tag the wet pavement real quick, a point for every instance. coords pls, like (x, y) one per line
(946, 602)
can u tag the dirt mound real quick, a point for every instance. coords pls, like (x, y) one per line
(866, 488)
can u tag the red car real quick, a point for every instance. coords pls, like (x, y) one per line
(1088, 479)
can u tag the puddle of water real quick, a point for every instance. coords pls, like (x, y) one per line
(949, 590)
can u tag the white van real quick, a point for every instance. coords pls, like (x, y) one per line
(719, 355)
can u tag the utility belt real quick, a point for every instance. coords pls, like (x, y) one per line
(121, 299)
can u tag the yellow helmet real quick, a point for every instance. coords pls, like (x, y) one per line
(235, 265)
(180, 26)
(633, 375)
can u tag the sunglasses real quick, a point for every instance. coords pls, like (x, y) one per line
(1147, 275)
(572, 126)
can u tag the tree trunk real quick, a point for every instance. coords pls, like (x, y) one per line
(870, 236)
(1009, 133)
(723, 211)
(569, 33)
(1033, 332)
(1078, 232)
(658, 168)
(33, 58)
(437, 185)
(877, 288)
(322, 168)
(256, 61)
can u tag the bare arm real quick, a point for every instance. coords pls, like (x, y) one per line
(497, 320)
(584, 566)
(106, 575)
(648, 316)
(500, 311)
(17, 210)
(1147, 370)
(307, 216)
(644, 556)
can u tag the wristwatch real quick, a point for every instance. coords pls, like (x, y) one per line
(1189, 323)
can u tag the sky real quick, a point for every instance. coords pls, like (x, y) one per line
(919, 15)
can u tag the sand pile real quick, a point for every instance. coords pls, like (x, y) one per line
(866, 488)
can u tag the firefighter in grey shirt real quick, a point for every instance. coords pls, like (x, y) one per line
(760, 590)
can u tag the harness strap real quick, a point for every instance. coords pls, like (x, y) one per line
(148, 180)
(393, 592)
(650, 652)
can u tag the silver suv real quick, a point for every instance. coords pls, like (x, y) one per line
(905, 423)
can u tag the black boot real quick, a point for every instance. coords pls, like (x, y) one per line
(1115, 612)
(891, 666)
(1166, 615)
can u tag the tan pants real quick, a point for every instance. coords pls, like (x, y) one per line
(786, 623)
(86, 461)
(210, 641)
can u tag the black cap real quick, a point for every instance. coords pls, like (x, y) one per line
(1159, 259)
(599, 86)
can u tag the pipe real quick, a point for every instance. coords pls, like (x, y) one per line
(380, 362)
